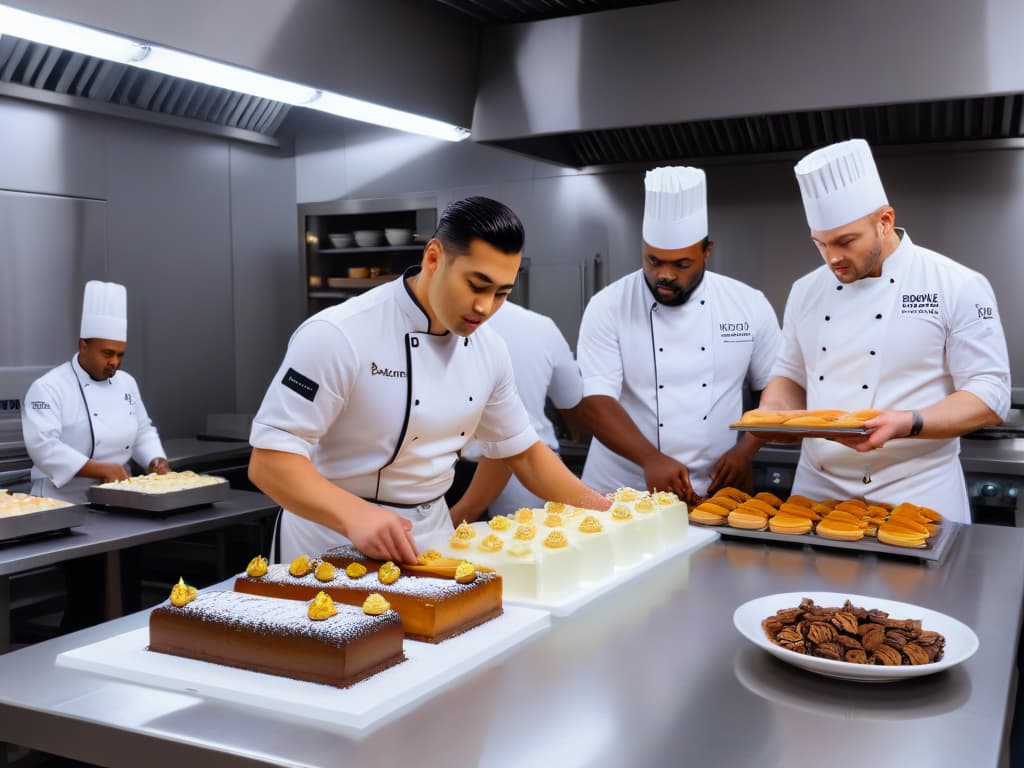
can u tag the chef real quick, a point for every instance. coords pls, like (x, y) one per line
(84, 419)
(360, 429)
(544, 370)
(889, 325)
(665, 352)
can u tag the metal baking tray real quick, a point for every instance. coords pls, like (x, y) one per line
(158, 503)
(799, 429)
(43, 521)
(934, 550)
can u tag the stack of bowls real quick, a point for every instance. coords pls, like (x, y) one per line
(369, 238)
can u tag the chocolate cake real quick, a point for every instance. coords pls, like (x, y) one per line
(277, 637)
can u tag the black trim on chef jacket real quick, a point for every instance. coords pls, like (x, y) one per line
(410, 342)
(88, 416)
(654, 353)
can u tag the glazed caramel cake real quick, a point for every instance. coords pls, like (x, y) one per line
(278, 637)
(432, 608)
(12, 504)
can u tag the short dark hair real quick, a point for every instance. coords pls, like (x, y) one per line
(480, 217)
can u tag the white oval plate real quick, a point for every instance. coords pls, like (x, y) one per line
(961, 642)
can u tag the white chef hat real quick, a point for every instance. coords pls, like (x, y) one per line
(675, 207)
(839, 184)
(104, 312)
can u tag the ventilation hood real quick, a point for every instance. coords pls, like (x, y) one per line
(689, 81)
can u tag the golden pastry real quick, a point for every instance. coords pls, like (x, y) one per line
(708, 514)
(728, 502)
(802, 501)
(807, 421)
(748, 520)
(890, 533)
(839, 530)
(864, 414)
(795, 510)
(769, 498)
(733, 493)
(783, 523)
(755, 503)
(846, 517)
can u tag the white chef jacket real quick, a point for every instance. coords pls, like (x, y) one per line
(678, 371)
(927, 327)
(381, 407)
(544, 368)
(67, 418)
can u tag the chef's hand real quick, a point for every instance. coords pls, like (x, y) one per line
(733, 469)
(383, 535)
(663, 473)
(160, 466)
(883, 428)
(109, 471)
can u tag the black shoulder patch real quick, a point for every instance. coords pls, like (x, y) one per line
(296, 382)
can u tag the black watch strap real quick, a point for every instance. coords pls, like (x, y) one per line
(916, 424)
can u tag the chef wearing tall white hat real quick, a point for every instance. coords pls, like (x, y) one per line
(665, 352)
(84, 419)
(889, 325)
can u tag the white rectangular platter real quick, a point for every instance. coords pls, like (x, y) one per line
(355, 711)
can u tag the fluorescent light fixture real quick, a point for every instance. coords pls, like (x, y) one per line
(103, 45)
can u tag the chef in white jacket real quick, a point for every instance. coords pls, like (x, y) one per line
(359, 432)
(665, 352)
(83, 420)
(885, 324)
(544, 369)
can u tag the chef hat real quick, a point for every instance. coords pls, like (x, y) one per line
(104, 312)
(839, 184)
(675, 207)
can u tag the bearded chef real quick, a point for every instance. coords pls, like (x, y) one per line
(889, 325)
(358, 434)
(83, 420)
(665, 352)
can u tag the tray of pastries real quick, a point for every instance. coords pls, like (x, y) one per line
(819, 423)
(900, 529)
(24, 515)
(161, 493)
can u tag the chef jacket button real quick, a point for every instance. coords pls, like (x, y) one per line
(95, 414)
(827, 318)
(878, 316)
(702, 349)
(839, 287)
(702, 302)
(661, 425)
(872, 352)
(823, 349)
(821, 378)
(703, 385)
(462, 434)
(863, 386)
(705, 418)
(661, 386)
(661, 349)
(892, 280)
(471, 398)
(127, 447)
(417, 402)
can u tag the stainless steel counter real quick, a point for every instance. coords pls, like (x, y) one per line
(652, 674)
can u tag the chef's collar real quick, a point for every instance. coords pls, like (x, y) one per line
(895, 259)
(412, 310)
(83, 375)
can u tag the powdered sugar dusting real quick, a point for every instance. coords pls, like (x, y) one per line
(426, 587)
(273, 616)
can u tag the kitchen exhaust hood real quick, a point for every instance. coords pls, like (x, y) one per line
(684, 80)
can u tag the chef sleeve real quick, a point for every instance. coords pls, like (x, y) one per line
(599, 354)
(147, 441)
(308, 391)
(504, 429)
(790, 360)
(767, 343)
(41, 429)
(566, 386)
(976, 346)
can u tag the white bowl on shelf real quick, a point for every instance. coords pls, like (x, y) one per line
(369, 238)
(341, 240)
(398, 236)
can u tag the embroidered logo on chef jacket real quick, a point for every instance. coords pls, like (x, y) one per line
(985, 313)
(920, 304)
(735, 332)
(40, 405)
(391, 373)
(128, 398)
(303, 385)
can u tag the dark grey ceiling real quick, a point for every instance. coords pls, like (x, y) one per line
(992, 117)
(515, 11)
(58, 71)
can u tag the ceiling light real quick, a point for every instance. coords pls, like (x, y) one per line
(103, 45)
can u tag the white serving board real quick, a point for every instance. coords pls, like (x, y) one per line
(695, 539)
(356, 711)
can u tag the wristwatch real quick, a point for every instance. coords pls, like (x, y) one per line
(916, 424)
